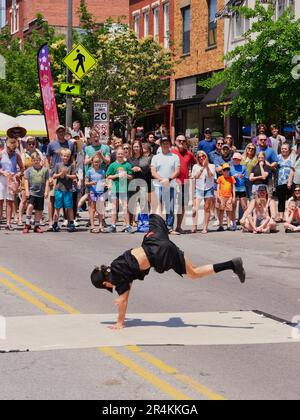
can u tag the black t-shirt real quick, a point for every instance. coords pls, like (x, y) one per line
(124, 270)
(256, 171)
(143, 163)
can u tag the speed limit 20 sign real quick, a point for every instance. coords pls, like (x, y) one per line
(101, 112)
(100, 118)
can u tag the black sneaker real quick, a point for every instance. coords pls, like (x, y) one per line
(220, 229)
(239, 269)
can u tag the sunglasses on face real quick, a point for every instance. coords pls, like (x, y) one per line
(125, 148)
(250, 148)
(201, 157)
(30, 144)
(220, 144)
(182, 141)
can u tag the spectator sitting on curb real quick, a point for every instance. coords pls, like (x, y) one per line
(292, 215)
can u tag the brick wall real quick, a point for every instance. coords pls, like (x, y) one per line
(201, 59)
(138, 6)
(55, 11)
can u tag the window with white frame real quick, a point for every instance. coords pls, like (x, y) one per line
(166, 25)
(241, 24)
(146, 23)
(2, 13)
(282, 5)
(14, 17)
(156, 23)
(136, 20)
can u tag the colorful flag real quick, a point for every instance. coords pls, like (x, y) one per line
(47, 91)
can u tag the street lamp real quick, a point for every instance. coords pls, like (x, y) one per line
(69, 73)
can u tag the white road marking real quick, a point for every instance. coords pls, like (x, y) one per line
(41, 333)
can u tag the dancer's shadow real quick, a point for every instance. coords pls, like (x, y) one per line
(175, 322)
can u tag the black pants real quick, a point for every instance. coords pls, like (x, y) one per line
(283, 194)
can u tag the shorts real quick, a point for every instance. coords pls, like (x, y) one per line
(4, 194)
(63, 199)
(94, 196)
(162, 254)
(37, 203)
(241, 194)
(205, 194)
(123, 196)
(225, 204)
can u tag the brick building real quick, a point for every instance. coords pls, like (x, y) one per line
(190, 28)
(21, 14)
(199, 49)
(154, 18)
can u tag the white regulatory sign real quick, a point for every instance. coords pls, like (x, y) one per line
(101, 112)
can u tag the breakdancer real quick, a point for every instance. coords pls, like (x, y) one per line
(158, 252)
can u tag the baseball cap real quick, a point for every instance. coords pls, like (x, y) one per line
(207, 131)
(237, 156)
(166, 139)
(225, 166)
(225, 146)
(60, 127)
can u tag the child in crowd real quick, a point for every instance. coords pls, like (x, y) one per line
(292, 216)
(257, 218)
(65, 175)
(226, 197)
(36, 190)
(95, 181)
(120, 172)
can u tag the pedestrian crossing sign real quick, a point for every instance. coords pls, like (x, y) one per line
(79, 61)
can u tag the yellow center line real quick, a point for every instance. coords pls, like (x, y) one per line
(143, 373)
(149, 377)
(201, 389)
(35, 302)
(40, 292)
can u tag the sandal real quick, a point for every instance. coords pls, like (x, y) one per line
(94, 230)
(9, 228)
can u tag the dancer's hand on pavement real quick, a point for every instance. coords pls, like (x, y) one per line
(117, 326)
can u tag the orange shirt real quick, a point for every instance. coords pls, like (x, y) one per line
(226, 186)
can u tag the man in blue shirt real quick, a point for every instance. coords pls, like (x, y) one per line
(219, 160)
(271, 155)
(207, 145)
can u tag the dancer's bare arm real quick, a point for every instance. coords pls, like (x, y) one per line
(122, 303)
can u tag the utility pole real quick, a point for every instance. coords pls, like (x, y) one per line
(69, 110)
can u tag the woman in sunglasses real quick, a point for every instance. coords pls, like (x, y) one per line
(292, 215)
(250, 161)
(203, 175)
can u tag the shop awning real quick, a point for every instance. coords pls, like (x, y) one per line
(213, 97)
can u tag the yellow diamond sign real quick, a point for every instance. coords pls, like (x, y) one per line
(79, 61)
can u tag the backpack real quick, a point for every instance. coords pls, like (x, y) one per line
(143, 223)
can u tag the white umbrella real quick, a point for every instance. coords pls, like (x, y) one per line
(6, 122)
(34, 122)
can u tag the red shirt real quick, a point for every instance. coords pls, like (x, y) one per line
(187, 159)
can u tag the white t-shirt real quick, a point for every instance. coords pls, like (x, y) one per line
(204, 183)
(165, 166)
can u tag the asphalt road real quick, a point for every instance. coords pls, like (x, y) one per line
(60, 265)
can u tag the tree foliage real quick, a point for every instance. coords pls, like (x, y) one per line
(260, 71)
(133, 74)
